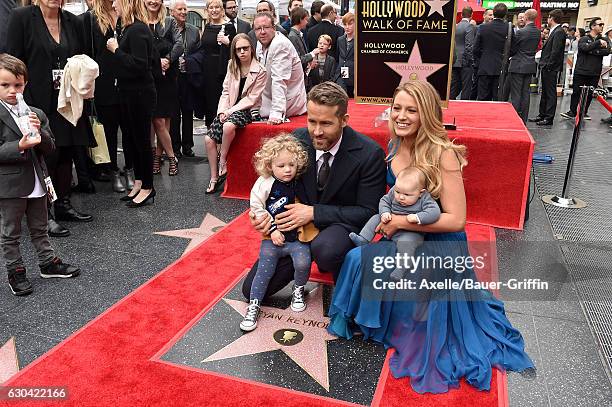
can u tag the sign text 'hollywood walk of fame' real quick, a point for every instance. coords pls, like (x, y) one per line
(387, 50)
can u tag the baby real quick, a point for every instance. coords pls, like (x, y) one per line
(279, 162)
(408, 197)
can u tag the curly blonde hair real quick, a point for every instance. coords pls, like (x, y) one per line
(431, 138)
(271, 148)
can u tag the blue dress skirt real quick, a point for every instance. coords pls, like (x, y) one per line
(440, 335)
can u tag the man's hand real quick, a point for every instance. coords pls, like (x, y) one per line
(412, 218)
(385, 217)
(295, 216)
(604, 43)
(390, 228)
(261, 224)
(278, 238)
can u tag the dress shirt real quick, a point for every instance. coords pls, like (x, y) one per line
(333, 151)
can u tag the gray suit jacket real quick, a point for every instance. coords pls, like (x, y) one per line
(192, 38)
(465, 34)
(16, 168)
(243, 26)
(524, 46)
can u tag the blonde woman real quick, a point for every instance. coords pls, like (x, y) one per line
(44, 36)
(440, 336)
(242, 88)
(133, 59)
(217, 36)
(169, 46)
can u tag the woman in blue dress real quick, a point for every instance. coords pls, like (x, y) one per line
(439, 335)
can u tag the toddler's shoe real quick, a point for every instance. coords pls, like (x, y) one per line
(250, 319)
(18, 282)
(59, 269)
(297, 300)
(358, 240)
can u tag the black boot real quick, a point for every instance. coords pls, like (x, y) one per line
(55, 229)
(65, 211)
(19, 283)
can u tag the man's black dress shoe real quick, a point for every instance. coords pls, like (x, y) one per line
(65, 211)
(56, 230)
(535, 119)
(545, 122)
(87, 188)
(187, 152)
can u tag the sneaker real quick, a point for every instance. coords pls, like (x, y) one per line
(587, 117)
(358, 240)
(58, 269)
(250, 319)
(297, 300)
(19, 283)
(607, 120)
(568, 115)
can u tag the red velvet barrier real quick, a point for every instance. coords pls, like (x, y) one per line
(499, 155)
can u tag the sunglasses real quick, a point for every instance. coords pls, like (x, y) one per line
(601, 24)
(242, 49)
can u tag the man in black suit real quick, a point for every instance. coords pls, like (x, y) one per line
(231, 11)
(488, 50)
(551, 63)
(315, 15)
(6, 6)
(522, 65)
(326, 26)
(344, 182)
(461, 81)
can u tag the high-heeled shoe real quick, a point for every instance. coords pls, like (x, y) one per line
(212, 186)
(157, 163)
(149, 200)
(127, 197)
(173, 166)
(222, 172)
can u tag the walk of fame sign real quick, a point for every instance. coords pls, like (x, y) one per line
(402, 40)
(288, 349)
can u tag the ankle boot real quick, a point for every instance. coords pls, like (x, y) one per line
(116, 181)
(129, 178)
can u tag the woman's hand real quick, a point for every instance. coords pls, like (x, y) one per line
(390, 228)
(223, 117)
(223, 39)
(165, 64)
(112, 45)
(385, 217)
(261, 224)
(278, 238)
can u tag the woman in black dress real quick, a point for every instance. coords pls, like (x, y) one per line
(44, 36)
(169, 45)
(217, 35)
(100, 24)
(134, 58)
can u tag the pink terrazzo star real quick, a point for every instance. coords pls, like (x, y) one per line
(8, 360)
(210, 225)
(415, 68)
(436, 6)
(310, 353)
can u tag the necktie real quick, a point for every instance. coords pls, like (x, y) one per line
(233, 22)
(323, 172)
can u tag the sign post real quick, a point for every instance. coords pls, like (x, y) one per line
(402, 40)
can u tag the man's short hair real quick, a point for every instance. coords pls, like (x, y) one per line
(297, 14)
(531, 15)
(315, 7)
(14, 66)
(593, 22)
(264, 14)
(330, 94)
(291, 3)
(500, 10)
(326, 10)
(272, 8)
(556, 15)
(347, 18)
(467, 12)
(172, 4)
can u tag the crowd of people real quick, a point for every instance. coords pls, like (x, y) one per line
(498, 61)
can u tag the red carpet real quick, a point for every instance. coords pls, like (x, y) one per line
(108, 362)
(499, 155)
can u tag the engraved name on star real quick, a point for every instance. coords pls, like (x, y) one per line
(415, 68)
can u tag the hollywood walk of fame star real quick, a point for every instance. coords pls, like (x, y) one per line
(435, 6)
(210, 225)
(9, 364)
(415, 68)
(310, 353)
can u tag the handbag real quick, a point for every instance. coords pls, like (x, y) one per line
(98, 154)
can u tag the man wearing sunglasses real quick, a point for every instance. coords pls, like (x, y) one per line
(591, 50)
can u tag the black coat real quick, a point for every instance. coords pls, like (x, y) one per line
(29, 42)
(524, 46)
(489, 47)
(346, 55)
(553, 51)
(329, 73)
(324, 27)
(356, 181)
(590, 56)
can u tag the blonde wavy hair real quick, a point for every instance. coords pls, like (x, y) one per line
(161, 14)
(103, 10)
(218, 3)
(271, 148)
(431, 138)
(37, 3)
(133, 10)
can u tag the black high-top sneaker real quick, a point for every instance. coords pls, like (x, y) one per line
(59, 269)
(19, 283)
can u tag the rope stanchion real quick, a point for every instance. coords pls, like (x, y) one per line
(565, 201)
(603, 102)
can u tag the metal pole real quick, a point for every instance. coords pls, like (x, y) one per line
(564, 201)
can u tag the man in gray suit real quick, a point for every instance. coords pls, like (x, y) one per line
(461, 81)
(6, 6)
(522, 65)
